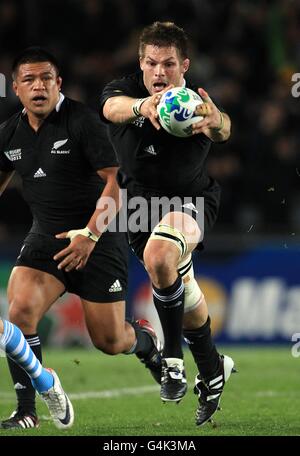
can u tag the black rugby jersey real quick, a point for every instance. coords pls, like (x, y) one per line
(156, 160)
(58, 164)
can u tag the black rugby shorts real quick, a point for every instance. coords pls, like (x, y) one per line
(103, 279)
(138, 240)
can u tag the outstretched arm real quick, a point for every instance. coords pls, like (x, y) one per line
(123, 109)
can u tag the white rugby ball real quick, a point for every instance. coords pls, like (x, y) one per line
(176, 111)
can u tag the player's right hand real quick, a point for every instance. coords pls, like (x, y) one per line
(149, 107)
(76, 255)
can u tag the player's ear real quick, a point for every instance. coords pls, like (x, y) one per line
(185, 65)
(141, 63)
(59, 82)
(15, 88)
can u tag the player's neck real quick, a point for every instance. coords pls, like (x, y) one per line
(36, 121)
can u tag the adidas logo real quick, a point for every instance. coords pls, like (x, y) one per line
(116, 286)
(150, 150)
(188, 341)
(40, 173)
(190, 206)
(18, 386)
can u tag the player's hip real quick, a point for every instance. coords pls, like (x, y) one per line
(103, 279)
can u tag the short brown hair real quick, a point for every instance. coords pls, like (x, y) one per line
(164, 34)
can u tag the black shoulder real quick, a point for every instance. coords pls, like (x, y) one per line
(192, 85)
(8, 127)
(78, 115)
(75, 109)
(130, 85)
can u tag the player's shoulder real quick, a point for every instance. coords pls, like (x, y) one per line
(75, 108)
(8, 127)
(81, 119)
(191, 84)
(132, 78)
(128, 83)
(78, 114)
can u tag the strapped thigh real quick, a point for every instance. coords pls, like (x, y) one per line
(164, 232)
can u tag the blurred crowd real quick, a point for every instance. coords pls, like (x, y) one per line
(243, 52)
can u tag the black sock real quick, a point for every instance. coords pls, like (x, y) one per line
(144, 343)
(203, 349)
(169, 303)
(22, 382)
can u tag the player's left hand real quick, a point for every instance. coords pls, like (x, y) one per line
(211, 114)
(76, 255)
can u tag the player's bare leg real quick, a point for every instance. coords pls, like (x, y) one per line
(112, 334)
(173, 239)
(30, 293)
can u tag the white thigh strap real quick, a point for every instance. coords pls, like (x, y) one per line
(168, 233)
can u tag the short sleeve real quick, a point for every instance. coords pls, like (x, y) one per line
(5, 164)
(117, 88)
(95, 142)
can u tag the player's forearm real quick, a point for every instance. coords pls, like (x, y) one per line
(119, 109)
(223, 133)
(5, 177)
(107, 208)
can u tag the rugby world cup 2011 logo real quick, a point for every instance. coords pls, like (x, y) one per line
(173, 105)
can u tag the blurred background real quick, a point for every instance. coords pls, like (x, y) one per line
(244, 54)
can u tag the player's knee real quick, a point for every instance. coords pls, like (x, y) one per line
(159, 260)
(108, 345)
(21, 312)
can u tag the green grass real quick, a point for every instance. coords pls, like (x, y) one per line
(262, 399)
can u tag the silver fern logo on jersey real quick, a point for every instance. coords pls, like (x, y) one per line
(13, 155)
(56, 147)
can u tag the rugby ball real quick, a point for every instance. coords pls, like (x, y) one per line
(176, 111)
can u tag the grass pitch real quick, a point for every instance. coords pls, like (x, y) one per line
(116, 396)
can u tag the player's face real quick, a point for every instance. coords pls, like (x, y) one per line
(161, 67)
(37, 85)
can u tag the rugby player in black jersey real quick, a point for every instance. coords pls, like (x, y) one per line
(154, 163)
(60, 149)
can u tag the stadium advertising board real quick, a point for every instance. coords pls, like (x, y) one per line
(253, 297)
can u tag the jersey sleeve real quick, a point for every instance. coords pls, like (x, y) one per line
(95, 142)
(117, 88)
(5, 164)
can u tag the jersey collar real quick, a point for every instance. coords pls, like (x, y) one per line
(57, 107)
(59, 103)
